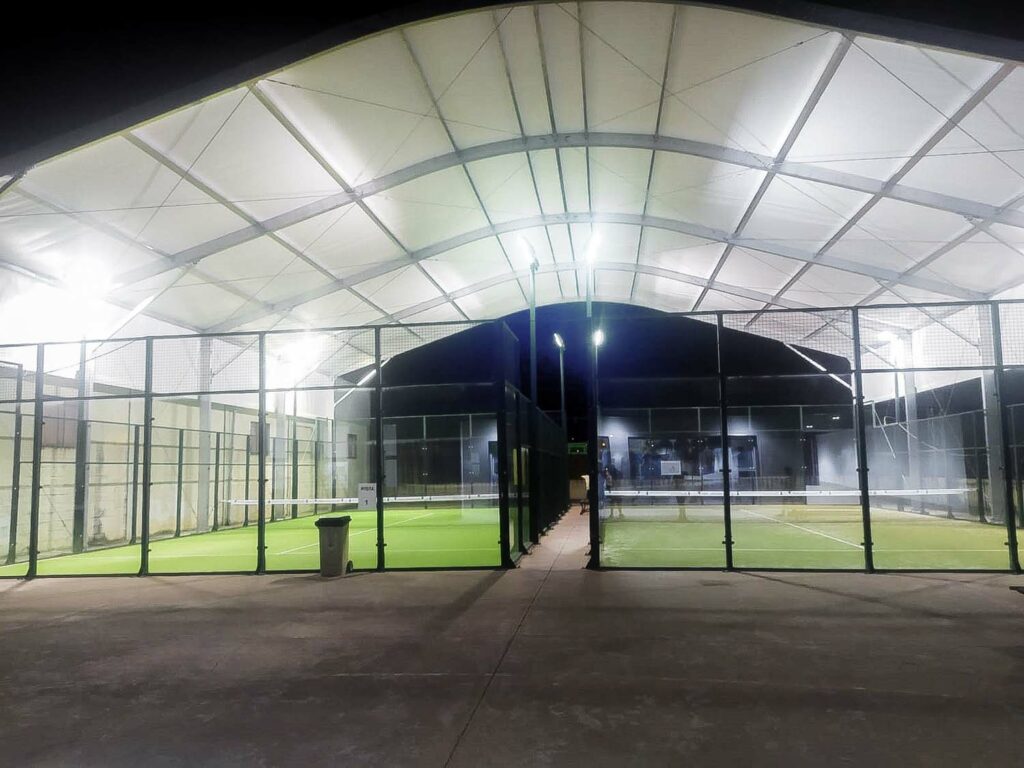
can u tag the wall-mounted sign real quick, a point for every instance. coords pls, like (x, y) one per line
(671, 468)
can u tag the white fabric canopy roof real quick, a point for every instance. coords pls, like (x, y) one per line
(727, 161)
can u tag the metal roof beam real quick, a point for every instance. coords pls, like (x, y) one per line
(672, 225)
(838, 54)
(969, 209)
(948, 125)
(734, 290)
(312, 151)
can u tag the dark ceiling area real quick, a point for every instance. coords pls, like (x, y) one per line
(74, 75)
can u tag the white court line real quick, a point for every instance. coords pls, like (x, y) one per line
(368, 530)
(801, 528)
(738, 549)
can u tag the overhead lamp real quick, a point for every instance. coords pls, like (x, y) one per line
(895, 346)
(88, 279)
(529, 252)
(559, 341)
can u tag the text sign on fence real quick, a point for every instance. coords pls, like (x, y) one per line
(367, 496)
(671, 468)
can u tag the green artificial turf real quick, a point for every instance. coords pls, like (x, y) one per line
(800, 537)
(764, 536)
(415, 538)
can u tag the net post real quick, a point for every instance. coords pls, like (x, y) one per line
(862, 448)
(261, 453)
(147, 459)
(378, 396)
(723, 408)
(37, 461)
(1003, 424)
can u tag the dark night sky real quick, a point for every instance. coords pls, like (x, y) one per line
(71, 68)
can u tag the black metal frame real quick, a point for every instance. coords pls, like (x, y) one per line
(145, 434)
(998, 366)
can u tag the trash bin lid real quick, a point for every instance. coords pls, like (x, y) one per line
(333, 522)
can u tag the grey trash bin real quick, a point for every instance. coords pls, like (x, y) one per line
(334, 545)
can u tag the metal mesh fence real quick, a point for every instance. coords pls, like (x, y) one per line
(319, 359)
(828, 331)
(206, 364)
(395, 340)
(936, 336)
(441, 435)
(1011, 322)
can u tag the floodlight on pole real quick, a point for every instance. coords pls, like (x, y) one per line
(529, 252)
(589, 255)
(598, 337)
(560, 343)
(895, 347)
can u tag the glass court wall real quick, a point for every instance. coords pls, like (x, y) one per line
(214, 453)
(879, 437)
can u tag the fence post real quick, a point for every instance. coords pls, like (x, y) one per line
(862, 448)
(723, 410)
(12, 547)
(1003, 425)
(37, 461)
(261, 453)
(378, 392)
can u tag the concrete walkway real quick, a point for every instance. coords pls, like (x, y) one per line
(545, 665)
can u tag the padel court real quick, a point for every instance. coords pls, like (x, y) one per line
(808, 536)
(417, 534)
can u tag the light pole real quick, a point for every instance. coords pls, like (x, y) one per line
(560, 343)
(592, 245)
(534, 468)
(531, 254)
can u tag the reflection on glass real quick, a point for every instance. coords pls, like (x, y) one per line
(660, 487)
(932, 502)
(204, 471)
(795, 493)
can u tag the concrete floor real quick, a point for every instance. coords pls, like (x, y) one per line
(546, 665)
